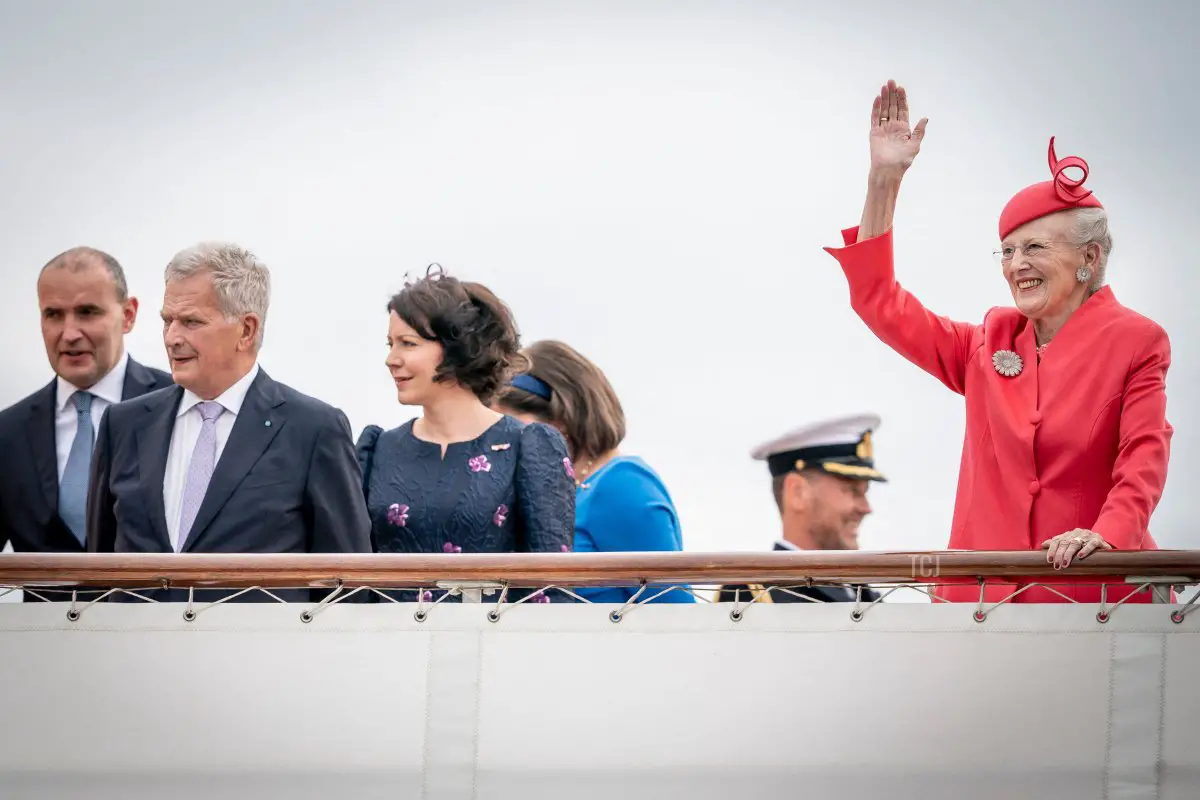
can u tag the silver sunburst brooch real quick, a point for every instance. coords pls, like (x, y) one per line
(1007, 363)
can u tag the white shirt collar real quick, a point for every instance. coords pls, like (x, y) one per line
(109, 388)
(231, 399)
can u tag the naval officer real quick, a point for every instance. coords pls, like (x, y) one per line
(820, 476)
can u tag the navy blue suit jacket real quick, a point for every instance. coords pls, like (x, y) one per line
(288, 481)
(844, 593)
(29, 469)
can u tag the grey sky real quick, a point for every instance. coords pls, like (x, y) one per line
(651, 182)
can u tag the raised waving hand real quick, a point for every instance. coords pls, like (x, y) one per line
(894, 145)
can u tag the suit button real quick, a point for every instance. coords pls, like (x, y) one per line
(1034, 487)
(1035, 418)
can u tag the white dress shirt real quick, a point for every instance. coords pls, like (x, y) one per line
(183, 441)
(66, 419)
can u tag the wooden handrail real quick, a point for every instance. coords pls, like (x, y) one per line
(583, 569)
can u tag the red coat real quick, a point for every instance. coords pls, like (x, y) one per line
(1079, 440)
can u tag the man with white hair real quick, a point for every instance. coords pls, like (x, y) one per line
(228, 460)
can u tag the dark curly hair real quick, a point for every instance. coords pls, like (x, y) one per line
(475, 328)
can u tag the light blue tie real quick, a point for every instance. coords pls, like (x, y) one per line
(73, 488)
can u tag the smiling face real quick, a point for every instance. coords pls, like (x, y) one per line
(412, 361)
(839, 507)
(828, 509)
(84, 322)
(1040, 263)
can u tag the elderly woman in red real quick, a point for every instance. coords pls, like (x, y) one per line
(1067, 440)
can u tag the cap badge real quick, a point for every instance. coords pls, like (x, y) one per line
(865, 450)
(1007, 363)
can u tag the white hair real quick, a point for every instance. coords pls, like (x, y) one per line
(1090, 226)
(242, 282)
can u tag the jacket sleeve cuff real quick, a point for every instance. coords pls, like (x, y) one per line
(867, 264)
(1116, 531)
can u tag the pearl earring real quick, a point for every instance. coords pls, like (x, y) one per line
(1083, 274)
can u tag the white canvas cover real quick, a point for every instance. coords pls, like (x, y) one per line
(557, 701)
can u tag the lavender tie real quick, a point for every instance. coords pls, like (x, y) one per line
(200, 471)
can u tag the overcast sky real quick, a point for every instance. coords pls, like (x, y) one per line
(651, 182)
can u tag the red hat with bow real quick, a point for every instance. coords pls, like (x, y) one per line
(1057, 194)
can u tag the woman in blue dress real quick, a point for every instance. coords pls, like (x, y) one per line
(621, 503)
(461, 478)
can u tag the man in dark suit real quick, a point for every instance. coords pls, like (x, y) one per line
(820, 476)
(227, 460)
(47, 438)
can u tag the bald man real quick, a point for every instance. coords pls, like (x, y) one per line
(47, 438)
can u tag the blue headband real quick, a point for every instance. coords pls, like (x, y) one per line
(532, 385)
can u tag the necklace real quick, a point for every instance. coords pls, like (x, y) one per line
(582, 473)
(589, 467)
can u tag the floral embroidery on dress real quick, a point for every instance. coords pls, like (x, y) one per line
(569, 468)
(397, 514)
(521, 503)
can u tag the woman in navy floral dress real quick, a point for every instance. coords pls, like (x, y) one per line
(461, 478)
